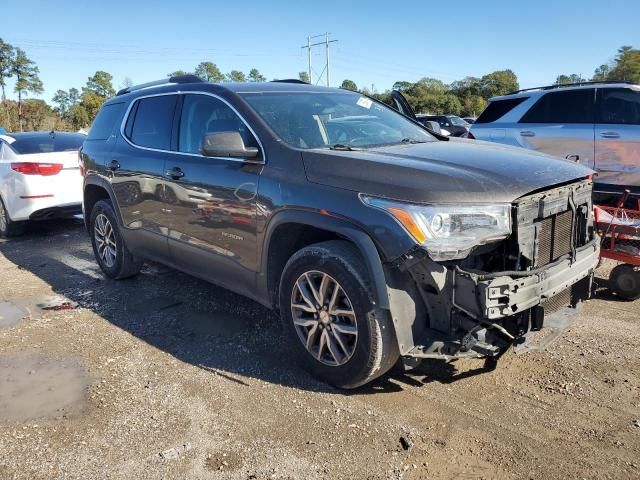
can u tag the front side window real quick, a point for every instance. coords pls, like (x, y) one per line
(202, 114)
(323, 120)
(571, 106)
(152, 120)
(619, 105)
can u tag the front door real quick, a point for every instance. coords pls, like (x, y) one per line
(137, 172)
(212, 200)
(618, 137)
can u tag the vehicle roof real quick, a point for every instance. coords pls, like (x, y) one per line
(238, 88)
(257, 87)
(539, 91)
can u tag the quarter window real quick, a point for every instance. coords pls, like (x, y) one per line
(151, 126)
(103, 125)
(571, 106)
(202, 114)
(619, 105)
(498, 109)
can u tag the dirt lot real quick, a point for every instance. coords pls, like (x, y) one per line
(165, 376)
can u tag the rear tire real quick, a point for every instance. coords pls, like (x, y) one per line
(625, 281)
(347, 341)
(9, 228)
(109, 248)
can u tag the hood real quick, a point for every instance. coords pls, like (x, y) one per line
(457, 171)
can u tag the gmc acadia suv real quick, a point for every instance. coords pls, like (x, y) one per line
(374, 239)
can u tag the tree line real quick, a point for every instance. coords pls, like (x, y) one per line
(209, 72)
(74, 109)
(469, 96)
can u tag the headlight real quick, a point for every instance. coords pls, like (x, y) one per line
(448, 232)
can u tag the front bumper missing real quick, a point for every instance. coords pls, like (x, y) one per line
(479, 314)
(506, 295)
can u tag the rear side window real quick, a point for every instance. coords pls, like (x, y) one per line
(619, 105)
(105, 123)
(48, 143)
(572, 106)
(498, 109)
(153, 120)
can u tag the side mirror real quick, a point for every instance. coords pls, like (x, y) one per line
(227, 144)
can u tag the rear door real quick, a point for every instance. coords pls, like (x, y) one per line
(618, 136)
(137, 171)
(561, 123)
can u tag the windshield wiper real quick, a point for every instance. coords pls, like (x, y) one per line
(342, 146)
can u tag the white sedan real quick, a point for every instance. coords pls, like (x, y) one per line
(39, 178)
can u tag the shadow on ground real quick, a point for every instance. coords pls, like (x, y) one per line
(192, 320)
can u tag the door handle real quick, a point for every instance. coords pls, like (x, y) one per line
(573, 157)
(114, 165)
(175, 172)
(527, 133)
(610, 135)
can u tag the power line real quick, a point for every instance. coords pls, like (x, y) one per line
(117, 49)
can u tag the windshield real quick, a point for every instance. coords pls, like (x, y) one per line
(457, 121)
(334, 119)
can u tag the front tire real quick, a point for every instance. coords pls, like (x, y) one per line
(9, 228)
(335, 330)
(109, 248)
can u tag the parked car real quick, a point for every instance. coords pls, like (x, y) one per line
(469, 120)
(374, 239)
(39, 178)
(452, 123)
(594, 123)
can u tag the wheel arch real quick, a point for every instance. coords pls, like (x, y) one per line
(95, 189)
(288, 231)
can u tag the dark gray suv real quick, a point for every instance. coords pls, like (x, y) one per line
(374, 239)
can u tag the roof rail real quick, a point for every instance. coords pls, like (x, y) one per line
(164, 81)
(577, 84)
(290, 80)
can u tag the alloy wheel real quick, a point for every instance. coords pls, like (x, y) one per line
(324, 318)
(105, 240)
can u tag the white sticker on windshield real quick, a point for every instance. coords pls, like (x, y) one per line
(364, 102)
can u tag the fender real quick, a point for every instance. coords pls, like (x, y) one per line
(103, 183)
(339, 226)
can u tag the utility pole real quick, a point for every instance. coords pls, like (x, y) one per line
(309, 52)
(326, 44)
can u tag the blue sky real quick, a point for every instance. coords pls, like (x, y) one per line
(379, 42)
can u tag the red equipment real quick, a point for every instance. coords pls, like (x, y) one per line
(619, 228)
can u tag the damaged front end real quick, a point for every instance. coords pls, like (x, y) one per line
(502, 292)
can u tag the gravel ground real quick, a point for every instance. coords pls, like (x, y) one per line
(165, 376)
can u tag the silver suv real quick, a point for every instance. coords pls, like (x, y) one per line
(595, 123)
